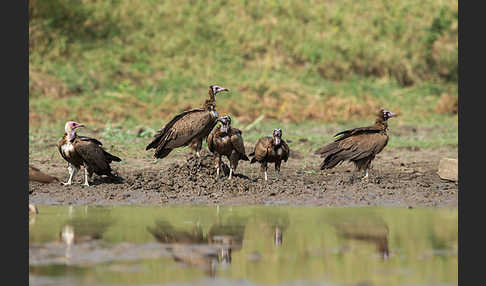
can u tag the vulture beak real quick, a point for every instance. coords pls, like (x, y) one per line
(392, 115)
(78, 125)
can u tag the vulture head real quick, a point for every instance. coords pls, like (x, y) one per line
(213, 90)
(385, 114)
(277, 136)
(225, 123)
(70, 128)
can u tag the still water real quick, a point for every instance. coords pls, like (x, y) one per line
(128, 245)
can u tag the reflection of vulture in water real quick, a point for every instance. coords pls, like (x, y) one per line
(185, 245)
(78, 230)
(269, 150)
(370, 229)
(33, 209)
(277, 221)
(189, 127)
(38, 176)
(358, 145)
(84, 151)
(227, 141)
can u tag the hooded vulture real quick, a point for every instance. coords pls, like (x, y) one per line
(188, 127)
(84, 151)
(358, 145)
(227, 141)
(271, 150)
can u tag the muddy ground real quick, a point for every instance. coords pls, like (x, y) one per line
(404, 177)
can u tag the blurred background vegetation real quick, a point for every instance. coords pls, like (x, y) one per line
(131, 62)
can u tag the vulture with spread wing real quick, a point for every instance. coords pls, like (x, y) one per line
(358, 145)
(190, 127)
(226, 140)
(84, 151)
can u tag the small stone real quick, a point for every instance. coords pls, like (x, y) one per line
(448, 169)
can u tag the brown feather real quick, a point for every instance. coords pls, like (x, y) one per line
(36, 175)
(358, 145)
(229, 144)
(89, 153)
(266, 151)
(187, 128)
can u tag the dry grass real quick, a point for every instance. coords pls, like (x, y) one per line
(447, 104)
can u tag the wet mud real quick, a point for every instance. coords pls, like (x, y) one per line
(398, 177)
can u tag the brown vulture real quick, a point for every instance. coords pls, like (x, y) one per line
(84, 151)
(358, 145)
(271, 149)
(227, 141)
(190, 127)
(38, 176)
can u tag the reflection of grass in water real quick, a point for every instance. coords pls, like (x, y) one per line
(311, 245)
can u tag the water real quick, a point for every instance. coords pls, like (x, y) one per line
(128, 245)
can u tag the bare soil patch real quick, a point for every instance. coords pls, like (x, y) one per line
(404, 177)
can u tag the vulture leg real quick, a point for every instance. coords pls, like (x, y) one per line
(219, 167)
(277, 169)
(264, 169)
(198, 148)
(72, 172)
(366, 174)
(86, 177)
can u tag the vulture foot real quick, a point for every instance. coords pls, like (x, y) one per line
(365, 178)
(68, 183)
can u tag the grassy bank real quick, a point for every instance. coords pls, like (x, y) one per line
(133, 62)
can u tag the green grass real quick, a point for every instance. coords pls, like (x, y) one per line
(117, 65)
(305, 137)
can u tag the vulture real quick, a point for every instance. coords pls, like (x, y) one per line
(190, 127)
(84, 151)
(358, 145)
(226, 140)
(36, 175)
(271, 149)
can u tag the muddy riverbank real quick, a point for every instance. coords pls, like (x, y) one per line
(399, 177)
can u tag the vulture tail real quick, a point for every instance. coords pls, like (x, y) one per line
(111, 157)
(244, 157)
(332, 155)
(153, 144)
(162, 153)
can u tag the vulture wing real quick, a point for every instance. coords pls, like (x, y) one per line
(210, 139)
(85, 138)
(59, 145)
(179, 129)
(286, 150)
(356, 131)
(353, 148)
(262, 148)
(237, 142)
(93, 155)
(346, 134)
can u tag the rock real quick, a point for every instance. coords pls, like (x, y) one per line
(448, 169)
